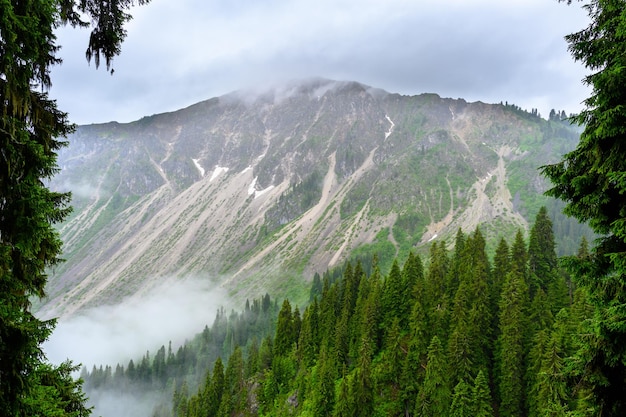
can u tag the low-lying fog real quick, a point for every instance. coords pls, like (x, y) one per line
(114, 334)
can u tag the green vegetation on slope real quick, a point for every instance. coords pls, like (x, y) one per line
(465, 334)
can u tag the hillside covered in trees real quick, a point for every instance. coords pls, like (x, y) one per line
(457, 334)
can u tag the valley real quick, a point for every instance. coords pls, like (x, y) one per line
(258, 193)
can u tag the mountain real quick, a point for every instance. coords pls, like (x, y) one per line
(258, 190)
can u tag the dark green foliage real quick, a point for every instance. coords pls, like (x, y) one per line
(541, 253)
(481, 397)
(394, 301)
(358, 352)
(30, 127)
(434, 396)
(285, 331)
(324, 393)
(591, 179)
(511, 345)
(462, 401)
(345, 405)
(165, 371)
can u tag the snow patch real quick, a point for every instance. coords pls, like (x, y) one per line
(252, 187)
(217, 171)
(433, 238)
(196, 162)
(260, 193)
(387, 133)
(257, 193)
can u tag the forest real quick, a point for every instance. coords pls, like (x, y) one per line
(459, 334)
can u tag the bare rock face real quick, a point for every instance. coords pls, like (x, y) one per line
(256, 191)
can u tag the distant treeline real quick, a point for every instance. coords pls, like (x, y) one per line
(464, 335)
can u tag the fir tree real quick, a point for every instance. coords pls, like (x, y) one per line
(434, 396)
(285, 334)
(481, 397)
(511, 349)
(344, 406)
(462, 401)
(592, 181)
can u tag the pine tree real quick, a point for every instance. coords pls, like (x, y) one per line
(214, 389)
(591, 179)
(30, 128)
(393, 303)
(434, 396)
(362, 383)
(436, 302)
(470, 345)
(285, 334)
(324, 393)
(481, 397)
(501, 267)
(462, 401)
(511, 349)
(415, 361)
(541, 253)
(552, 391)
(344, 406)
(413, 279)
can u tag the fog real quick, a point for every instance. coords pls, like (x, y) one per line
(107, 335)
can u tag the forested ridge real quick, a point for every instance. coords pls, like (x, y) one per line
(460, 334)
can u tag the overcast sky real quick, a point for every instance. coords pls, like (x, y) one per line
(179, 52)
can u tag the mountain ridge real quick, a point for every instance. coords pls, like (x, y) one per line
(257, 191)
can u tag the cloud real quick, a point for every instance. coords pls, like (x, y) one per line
(174, 311)
(179, 53)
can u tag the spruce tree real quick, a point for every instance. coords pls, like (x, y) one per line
(285, 334)
(393, 302)
(434, 397)
(436, 301)
(511, 349)
(344, 406)
(30, 128)
(591, 179)
(481, 397)
(541, 253)
(462, 401)
(552, 390)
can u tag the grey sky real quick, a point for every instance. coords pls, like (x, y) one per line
(179, 52)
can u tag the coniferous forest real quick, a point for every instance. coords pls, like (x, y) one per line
(458, 333)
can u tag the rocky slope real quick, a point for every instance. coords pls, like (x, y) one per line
(257, 191)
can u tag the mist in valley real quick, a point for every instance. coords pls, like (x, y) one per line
(114, 334)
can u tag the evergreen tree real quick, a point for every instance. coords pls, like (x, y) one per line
(416, 358)
(592, 181)
(552, 391)
(30, 125)
(511, 349)
(436, 302)
(470, 346)
(481, 397)
(233, 395)
(434, 396)
(393, 303)
(214, 389)
(362, 383)
(324, 394)
(542, 253)
(413, 279)
(519, 256)
(285, 334)
(462, 401)
(344, 406)
(501, 267)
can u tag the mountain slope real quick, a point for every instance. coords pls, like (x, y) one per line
(257, 191)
